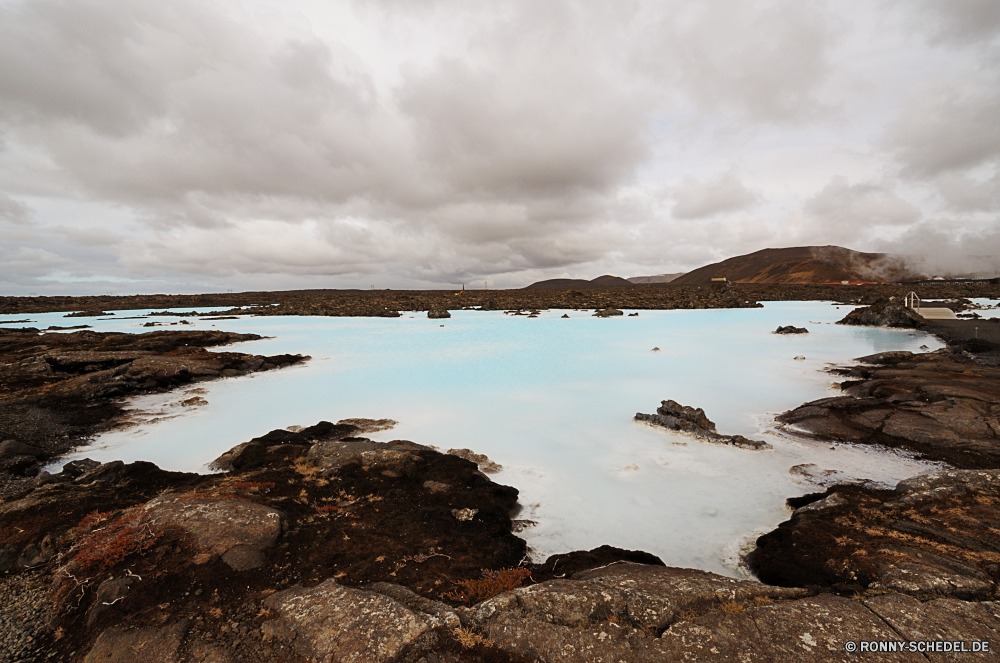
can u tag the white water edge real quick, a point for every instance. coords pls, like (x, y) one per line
(552, 400)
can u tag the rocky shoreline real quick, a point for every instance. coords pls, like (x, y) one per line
(381, 303)
(320, 544)
(58, 390)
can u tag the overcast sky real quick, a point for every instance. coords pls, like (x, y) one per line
(203, 145)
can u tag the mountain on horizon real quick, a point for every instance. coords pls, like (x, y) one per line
(606, 281)
(655, 278)
(801, 265)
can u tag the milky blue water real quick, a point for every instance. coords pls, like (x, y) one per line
(552, 400)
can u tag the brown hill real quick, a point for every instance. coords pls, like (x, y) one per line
(801, 264)
(606, 281)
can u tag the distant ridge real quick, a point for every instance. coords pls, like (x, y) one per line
(801, 264)
(656, 278)
(606, 281)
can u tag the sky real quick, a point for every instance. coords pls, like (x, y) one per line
(211, 145)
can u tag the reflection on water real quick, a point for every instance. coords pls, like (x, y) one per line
(552, 400)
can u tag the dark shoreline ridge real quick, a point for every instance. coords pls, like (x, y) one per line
(384, 545)
(382, 303)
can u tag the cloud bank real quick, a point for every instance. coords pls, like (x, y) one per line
(179, 145)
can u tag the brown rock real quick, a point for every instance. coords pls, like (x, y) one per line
(330, 623)
(237, 530)
(148, 645)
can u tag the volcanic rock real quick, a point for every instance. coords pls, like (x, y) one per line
(437, 314)
(329, 623)
(236, 530)
(485, 464)
(940, 404)
(884, 314)
(149, 645)
(790, 330)
(930, 537)
(693, 421)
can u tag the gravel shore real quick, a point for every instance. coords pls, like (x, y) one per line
(23, 614)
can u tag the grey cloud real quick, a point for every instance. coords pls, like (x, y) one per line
(848, 210)
(967, 194)
(948, 127)
(766, 60)
(14, 211)
(960, 21)
(698, 200)
(946, 248)
(23, 263)
(92, 236)
(247, 148)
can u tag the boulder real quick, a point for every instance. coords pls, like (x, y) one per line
(398, 455)
(485, 464)
(237, 530)
(329, 622)
(149, 645)
(884, 314)
(10, 448)
(437, 314)
(635, 613)
(674, 416)
(103, 472)
(790, 330)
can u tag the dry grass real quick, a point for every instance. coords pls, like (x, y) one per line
(491, 584)
(732, 608)
(306, 468)
(469, 639)
(763, 600)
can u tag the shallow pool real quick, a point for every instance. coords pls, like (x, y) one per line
(552, 400)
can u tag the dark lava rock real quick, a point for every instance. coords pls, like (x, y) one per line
(58, 390)
(932, 536)
(942, 404)
(93, 313)
(437, 314)
(674, 416)
(884, 314)
(329, 622)
(566, 564)
(608, 313)
(149, 645)
(15, 448)
(790, 330)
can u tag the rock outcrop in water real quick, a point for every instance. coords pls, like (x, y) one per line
(942, 405)
(884, 314)
(685, 419)
(789, 329)
(931, 537)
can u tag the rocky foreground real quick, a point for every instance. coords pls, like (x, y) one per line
(321, 545)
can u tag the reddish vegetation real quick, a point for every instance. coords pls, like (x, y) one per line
(107, 546)
(492, 583)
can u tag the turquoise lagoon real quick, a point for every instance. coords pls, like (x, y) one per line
(552, 400)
